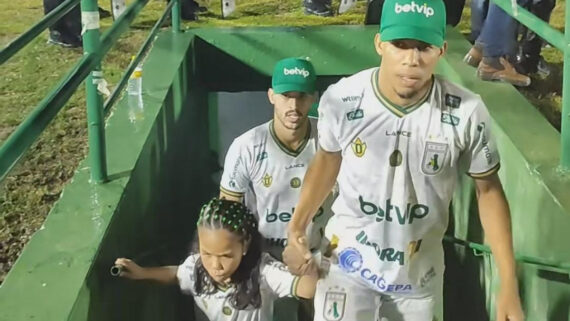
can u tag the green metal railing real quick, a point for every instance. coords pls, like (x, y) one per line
(87, 68)
(538, 261)
(560, 41)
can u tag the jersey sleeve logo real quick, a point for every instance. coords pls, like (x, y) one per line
(267, 180)
(358, 147)
(434, 157)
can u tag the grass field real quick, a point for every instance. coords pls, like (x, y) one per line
(27, 195)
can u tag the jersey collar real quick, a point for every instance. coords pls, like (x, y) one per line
(284, 147)
(397, 109)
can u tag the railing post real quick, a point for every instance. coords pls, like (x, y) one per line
(95, 119)
(176, 16)
(565, 127)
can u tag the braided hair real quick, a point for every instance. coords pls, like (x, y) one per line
(237, 219)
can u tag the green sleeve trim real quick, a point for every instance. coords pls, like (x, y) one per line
(294, 287)
(486, 173)
(231, 193)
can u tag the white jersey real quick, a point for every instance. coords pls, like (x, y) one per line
(275, 282)
(398, 173)
(269, 175)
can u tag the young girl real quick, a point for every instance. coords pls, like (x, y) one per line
(229, 277)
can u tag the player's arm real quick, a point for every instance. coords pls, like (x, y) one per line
(318, 183)
(496, 220)
(493, 209)
(307, 284)
(160, 274)
(283, 283)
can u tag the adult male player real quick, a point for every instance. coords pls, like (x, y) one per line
(396, 138)
(267, 164)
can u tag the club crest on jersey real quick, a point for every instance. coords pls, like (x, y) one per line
(334, 305)
(358, 147)
(434, 157)
(295, 182)
(267, 180)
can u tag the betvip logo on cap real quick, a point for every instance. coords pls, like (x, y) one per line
(414, 8)
(296, 71)
(408, 19)
(293, 74)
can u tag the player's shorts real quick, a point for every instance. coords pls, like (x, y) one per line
(339, 297)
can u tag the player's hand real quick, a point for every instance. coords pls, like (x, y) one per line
(130, 269)
(509, 305)
(297, 255)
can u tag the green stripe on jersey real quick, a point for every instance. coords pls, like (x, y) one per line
(286, 149)
(231, 193)
(396, 109)
(486, 173)
(294, 287)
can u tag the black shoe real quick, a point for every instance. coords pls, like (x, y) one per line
(318, 8)
(66, 41)
(528, 65)
(198, 8)
(190, 9)
(104, 13)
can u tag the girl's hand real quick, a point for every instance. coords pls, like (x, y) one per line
(130, 269)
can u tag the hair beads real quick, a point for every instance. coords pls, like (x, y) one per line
(230, 215)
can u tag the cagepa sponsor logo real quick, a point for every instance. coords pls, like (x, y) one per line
(296, 71)
(378, 281)
(350, 260)
(414, 8)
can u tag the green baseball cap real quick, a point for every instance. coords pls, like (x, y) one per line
(293, 74)
(422, 20)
